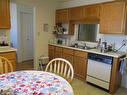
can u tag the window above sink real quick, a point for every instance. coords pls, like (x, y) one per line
(87, 32)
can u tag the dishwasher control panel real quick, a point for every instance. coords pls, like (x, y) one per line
(100, 58)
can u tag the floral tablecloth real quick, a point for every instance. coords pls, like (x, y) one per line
(35, 83)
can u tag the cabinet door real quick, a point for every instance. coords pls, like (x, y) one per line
(62, 16)
(76, 13)
(91, 13)
(71, 28)
(58, 54)
(11, 56)
(68, 57)
(80, 65)
(51, 52)
(4, 14)
(112, 17)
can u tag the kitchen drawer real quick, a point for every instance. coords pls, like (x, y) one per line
(59, 49)
(51, 47)
(80, 54)
(9, 55)
(68, 51)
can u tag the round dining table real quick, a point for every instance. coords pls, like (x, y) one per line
(35, 83)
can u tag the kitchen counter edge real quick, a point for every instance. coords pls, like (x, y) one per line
(3, 50)
(92, 51)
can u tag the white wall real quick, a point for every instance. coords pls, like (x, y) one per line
(44, 13)
(13, 30)
(109, 38)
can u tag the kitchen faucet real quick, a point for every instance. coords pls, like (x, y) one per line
(85, 46)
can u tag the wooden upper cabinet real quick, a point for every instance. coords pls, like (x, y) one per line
(62, 16)
(76, 13)
(71, 28)
(91, 12)
(4, 14)
(112, 18)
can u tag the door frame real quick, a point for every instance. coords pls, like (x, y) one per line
(27, 9)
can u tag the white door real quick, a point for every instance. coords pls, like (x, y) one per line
(26, 22)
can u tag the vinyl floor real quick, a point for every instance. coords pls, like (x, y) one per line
(79, 87)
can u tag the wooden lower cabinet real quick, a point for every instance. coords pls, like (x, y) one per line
(79, 67)
(80, 64)
(116, 76)
(58, 52)
(54, 52)
(51, 52)
(11, 56)
(79, 59)
(68, 55)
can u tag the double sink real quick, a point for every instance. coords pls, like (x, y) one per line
(82, 47)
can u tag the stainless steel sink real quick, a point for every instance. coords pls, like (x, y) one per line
(82, 47)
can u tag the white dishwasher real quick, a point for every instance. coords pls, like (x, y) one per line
(99, 70)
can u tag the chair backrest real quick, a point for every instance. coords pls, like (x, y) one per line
(61, 67)
(5, 65)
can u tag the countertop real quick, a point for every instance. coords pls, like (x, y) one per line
(112, 54)
(7, 49)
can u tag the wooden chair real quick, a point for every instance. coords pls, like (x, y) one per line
(61, 67)
(5, 65)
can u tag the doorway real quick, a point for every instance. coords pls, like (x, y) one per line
(25, 35)
(22, 32)
(26, 23)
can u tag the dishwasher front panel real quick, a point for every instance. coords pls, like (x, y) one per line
(99, 70)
